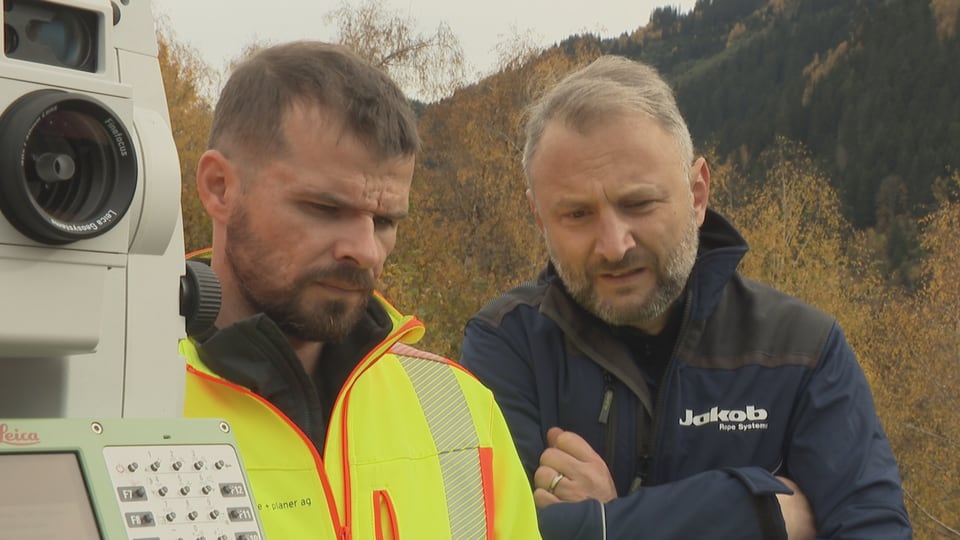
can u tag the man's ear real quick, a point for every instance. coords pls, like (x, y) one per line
(700, 186)
(216, 182)
(533, 208)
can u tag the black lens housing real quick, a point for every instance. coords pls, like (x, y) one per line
(68, 168)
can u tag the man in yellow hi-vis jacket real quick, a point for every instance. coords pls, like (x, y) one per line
(347, 431)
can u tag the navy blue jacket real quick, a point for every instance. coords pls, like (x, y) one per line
(758, 384)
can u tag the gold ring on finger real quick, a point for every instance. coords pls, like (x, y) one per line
(553, 483)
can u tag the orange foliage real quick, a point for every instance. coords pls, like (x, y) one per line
(796, 231)
(947, 13)
(186, 79)
(820, 68)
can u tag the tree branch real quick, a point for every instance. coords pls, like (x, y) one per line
(931, 434)
(951, 530)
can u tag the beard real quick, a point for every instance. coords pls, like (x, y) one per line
(672, 274)
(288, 305)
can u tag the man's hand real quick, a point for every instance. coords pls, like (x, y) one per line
(584, 473)
(797, 514)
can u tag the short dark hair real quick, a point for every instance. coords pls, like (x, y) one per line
(262, 89)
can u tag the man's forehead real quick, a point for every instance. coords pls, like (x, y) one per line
(336, 126)
(317, 116)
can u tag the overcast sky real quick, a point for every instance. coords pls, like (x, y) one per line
(218, 29)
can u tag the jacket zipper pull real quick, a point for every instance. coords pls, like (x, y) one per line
(607, 398)
(638, 481)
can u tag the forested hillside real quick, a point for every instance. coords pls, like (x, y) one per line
(833, 132)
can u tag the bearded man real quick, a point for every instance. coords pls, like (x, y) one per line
(345, 429)
(652, 391)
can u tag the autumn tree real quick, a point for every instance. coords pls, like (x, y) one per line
(918, 345)
(516, 48)
(187, 80)
(946, 13)
(428, 66)
(797, 234)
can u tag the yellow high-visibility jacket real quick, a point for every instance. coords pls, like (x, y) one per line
(416, 449)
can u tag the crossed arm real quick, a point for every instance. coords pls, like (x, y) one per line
(571, 471)
(837, 452)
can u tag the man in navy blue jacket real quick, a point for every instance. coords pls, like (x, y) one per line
(654, 392)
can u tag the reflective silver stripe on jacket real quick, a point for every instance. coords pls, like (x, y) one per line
(455, 436)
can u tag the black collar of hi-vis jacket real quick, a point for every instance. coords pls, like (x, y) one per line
(256, 354)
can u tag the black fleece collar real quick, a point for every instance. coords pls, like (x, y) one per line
(256, 354)
(721, 248)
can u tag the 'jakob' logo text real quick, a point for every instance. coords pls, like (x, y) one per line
(728, 419)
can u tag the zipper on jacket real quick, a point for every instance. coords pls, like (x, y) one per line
(607, 398)
(343, 398)
(607, 419)
(652, 443)
(643, 453)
